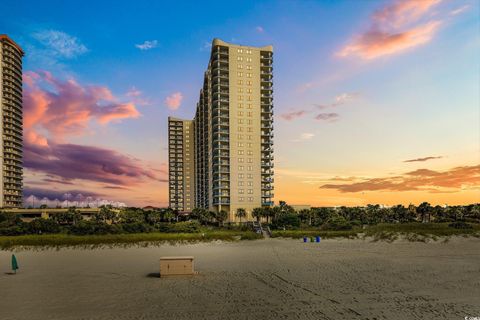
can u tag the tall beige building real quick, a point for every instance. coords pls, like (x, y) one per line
(233, 123)
(12, 123)
(181, 155)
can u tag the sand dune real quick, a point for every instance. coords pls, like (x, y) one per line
(264, 279)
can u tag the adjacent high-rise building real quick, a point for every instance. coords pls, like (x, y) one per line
(181, 155)
(233, 132)
(12, 123)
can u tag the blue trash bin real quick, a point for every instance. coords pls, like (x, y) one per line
(317, 239)
(304, 239)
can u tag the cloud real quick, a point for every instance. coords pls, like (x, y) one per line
(423, 159)
(289, 116)
(60, 44)
(306, 136)
(393, 29)
(137, 97)
(67, 162)
(147, 45)
(452, 180)
(63, 108)
(260, 29)
(331, 117)
(459, 10)
(339, 100)
(36, 197)
(174, 100)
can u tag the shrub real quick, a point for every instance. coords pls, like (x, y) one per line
(93, 227)
(136, 227)
(180, 227)
(287, 220)
(40, 225)
(460, 225)
(15, 230)
(338, 223)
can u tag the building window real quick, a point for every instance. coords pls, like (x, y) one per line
(249, 98)
(249, 129)
(249, 67)
(240, 160)
(249, 168)
(240, 98)
(249, 59)
(240, 113)
(240, 183)
(250, 183)
(240, 121)
(249, 90)
(250, 199)
(249, 74)
(240, 90)
(240, 66)
(250, 191)
(240, 144)
(249, 137)
(250, 160)
(239, 74)
(240, 191)
(249, 106)
(249, 114)
(240, 168)
(249, 121)
(250, 152)
(240, 136)
(240, 176)
(239, 58)
(240, 105)
(241, 199)
(239, 50)
(249, 176)
(240, 152)
(240, 129)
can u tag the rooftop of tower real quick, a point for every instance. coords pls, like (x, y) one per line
(219, 42)
(7, 38)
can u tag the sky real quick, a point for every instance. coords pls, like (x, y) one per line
(374, 101)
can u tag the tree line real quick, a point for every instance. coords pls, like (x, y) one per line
(136, 220)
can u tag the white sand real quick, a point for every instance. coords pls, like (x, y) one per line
(264, 279)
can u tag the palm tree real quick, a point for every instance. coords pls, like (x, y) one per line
(424, 209)
(258, 213)
(221, 216)
(241, 213)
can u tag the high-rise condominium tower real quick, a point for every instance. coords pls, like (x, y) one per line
(181, 155)
(233, 164)
(12, 124)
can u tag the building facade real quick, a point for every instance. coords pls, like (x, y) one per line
(233, 131)
(181, 154)
(11, 113)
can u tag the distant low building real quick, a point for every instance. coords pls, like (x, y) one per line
(300, 207)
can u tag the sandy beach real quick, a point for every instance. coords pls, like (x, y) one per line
(263, 279)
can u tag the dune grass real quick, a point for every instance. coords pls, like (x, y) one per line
(387, 232)
(120, 240)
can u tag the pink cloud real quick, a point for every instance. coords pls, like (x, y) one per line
(393, 29)
(402, 12)
(331, 117)
(63, 108)
(452, 180)
(174, 100)
(260, 29)
(289, 116)
(67, 162)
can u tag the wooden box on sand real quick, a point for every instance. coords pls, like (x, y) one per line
(170, 266)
